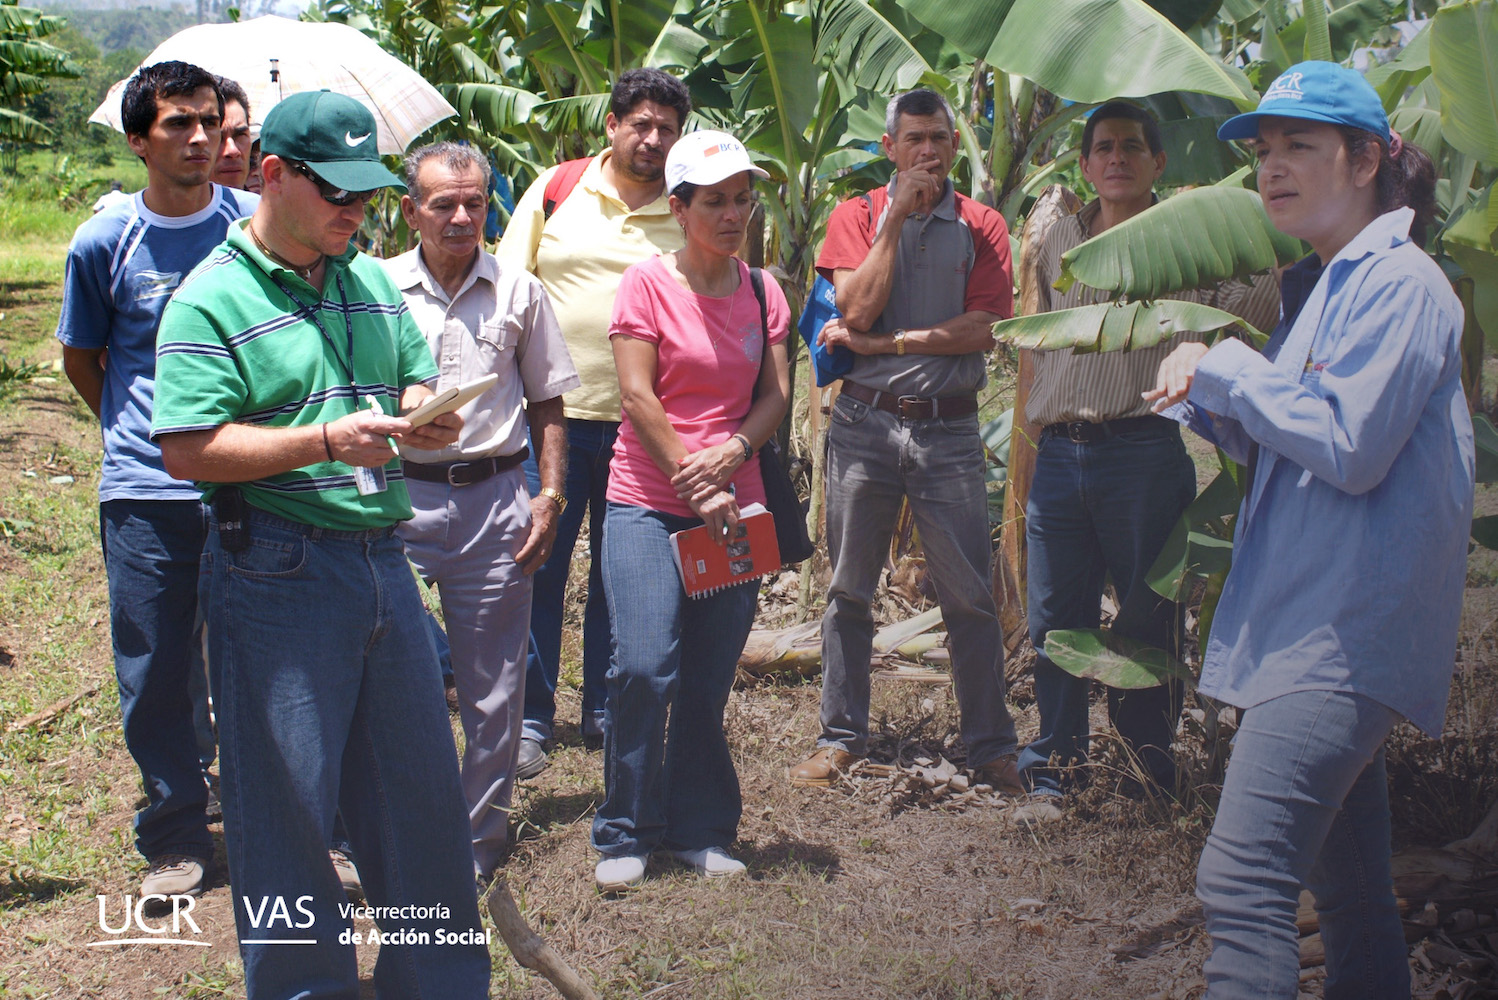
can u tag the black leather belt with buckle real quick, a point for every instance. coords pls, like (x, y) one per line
(912, 407)
(463, 473)
(1091, 432)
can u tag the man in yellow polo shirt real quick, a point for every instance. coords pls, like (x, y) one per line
(578, 233)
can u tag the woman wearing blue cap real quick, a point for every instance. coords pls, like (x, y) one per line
(1340, 614)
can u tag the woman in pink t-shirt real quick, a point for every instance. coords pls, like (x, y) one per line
(704, 385)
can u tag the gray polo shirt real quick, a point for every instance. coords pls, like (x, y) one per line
(949, 262)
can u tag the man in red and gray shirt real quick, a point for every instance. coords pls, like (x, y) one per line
(922, 274)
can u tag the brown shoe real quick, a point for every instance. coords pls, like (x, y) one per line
(1003, 774)
(348, 875)
(822, 768)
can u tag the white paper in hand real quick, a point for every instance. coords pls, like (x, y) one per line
(450, 399)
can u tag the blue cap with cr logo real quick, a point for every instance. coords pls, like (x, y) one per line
(1319, 92)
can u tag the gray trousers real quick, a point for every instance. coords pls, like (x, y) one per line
(874, 460)
(463, 540)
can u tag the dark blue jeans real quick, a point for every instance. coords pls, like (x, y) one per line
(330, 701)
(590, 448)
(1103, 511)
(669, 779)
(151, 553)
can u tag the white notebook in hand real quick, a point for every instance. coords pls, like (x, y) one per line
(450, 399)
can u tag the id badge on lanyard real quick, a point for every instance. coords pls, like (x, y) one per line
(367, 481)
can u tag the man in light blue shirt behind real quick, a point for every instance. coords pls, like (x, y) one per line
(122, 268)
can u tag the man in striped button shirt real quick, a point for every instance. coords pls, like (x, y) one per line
(1111, 479)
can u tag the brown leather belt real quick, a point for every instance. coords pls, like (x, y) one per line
(463, 473)
(912, 407)
(1091, 432)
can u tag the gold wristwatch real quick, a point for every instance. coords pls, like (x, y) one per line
(557, 497)
(899, 343)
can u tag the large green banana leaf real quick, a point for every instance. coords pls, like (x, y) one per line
(875, 53)
(1195, 239)
(1485, 436)
(1109, 327)
(1464, 65)
(496, 108)
(777, 58)
(1194, 154)
(1418, 117)
(551, 38)
(676, 47)
(16, 127)
(1472, 241)
(1478, 225)
(1348, 27)
(621, 33)
(1096, 50)
(971, 25)
(997, 436)
(1087, 51)
(1112, 659)
(1188, 128)
(1394, 78)
(1317, 44)
(1200, 544)
(585, 113)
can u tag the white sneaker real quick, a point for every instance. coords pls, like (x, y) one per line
(619, 874)
(714, 862)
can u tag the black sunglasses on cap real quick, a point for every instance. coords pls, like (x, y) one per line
(330, 194)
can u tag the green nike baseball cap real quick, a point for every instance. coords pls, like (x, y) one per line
(331, 133)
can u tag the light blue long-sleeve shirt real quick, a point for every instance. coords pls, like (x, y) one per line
(1350, 555)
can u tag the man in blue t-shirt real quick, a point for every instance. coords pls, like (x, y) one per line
(122, 268)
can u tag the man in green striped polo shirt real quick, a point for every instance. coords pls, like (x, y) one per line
(280, 365)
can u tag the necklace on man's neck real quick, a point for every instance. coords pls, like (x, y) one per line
(304, 272)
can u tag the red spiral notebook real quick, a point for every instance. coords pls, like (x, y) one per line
(707, 567)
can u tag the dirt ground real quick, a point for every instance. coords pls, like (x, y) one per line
(852, 893)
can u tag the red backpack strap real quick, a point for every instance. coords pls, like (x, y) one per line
(562, 182)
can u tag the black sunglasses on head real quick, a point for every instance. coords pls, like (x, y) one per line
(331, 194)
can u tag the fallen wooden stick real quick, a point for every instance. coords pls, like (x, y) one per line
(51, 712)
(529, 949)
(1461, 875)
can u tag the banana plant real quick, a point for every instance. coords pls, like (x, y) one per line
(1116, 326)
(1195, 239)
(26, 63)
(1455, 101)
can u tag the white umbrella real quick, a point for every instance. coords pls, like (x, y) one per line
(271, 57)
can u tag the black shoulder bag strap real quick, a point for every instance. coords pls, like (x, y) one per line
(780, 493)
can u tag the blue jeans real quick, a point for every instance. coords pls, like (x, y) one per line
(1305, 803)
(1103, 511)
(151, 553)
(875, 459)
(667, 786)
(590, 448)
(330, 701)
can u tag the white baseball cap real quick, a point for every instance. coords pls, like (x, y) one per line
(707, 157)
